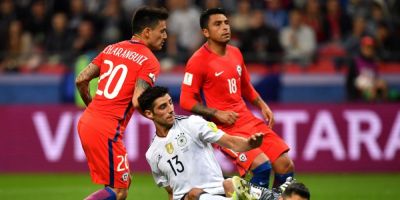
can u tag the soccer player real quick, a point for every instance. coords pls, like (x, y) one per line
(181, 156)
(218, 70)
(295, 191)
(125, 70)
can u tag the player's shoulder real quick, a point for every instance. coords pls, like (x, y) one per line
(199, 56)
(233, 49)
(152, 148)
(188, 120)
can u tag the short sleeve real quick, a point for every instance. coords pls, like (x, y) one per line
(194, 76)
(150, 71)
(204, 130)
(98, 60)
(160, 179)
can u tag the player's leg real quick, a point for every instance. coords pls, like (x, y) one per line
(276, 150)
(255, 161)
(107, 163)
(199, 194)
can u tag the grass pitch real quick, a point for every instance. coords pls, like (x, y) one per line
(78, 186)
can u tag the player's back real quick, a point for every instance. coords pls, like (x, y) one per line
(120, 66)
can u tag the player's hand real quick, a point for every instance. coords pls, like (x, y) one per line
(226, 117)
(268, 115)
(256, 140)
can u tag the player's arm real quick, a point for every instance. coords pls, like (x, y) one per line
(251, 95)
(140, 86)
(240, 144)
(169, 191)
(82, 81)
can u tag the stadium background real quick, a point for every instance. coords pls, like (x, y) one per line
(344, 146)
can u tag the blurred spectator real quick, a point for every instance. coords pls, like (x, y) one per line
(338, 21)
(240, 19)
(388, 46)
(7, 14)
(85, 40)
(378, 15)
(314, 18)
(211, 4)
(77, 13)
(18, 47)
(184, 34)
(352, 42)
(363, 80)
(114, 23)
(358, 8)
(58, 42)
(298, 40)
(275, 15)
(261, 42)
(37, 22)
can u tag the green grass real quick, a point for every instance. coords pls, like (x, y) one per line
(78, 186)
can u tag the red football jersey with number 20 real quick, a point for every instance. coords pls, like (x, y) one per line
(120, 64)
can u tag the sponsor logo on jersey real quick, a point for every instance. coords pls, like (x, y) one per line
(242, 157)
(187, 80)
(218, 73)
(125, 177)
(152, 77)
(170, 148)
(239, 70)
(212, 126)
(181, 139)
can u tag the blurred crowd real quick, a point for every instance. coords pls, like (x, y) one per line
(39, 33)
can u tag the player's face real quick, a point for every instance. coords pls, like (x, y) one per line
(163, 111)
(157, 35)
(218, 29)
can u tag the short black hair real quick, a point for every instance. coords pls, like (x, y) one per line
(297, 189)
(147, 17)
(205, 16)
(147, 98)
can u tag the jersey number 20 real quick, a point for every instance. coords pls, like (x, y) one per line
(109, 76)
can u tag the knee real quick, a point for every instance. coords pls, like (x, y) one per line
(121, 194)
(283, 164)
(194, 194)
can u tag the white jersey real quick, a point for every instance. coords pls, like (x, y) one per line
(184, 159)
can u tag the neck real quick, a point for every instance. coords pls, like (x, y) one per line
(138, 37)
(162, 130)
(217, 48)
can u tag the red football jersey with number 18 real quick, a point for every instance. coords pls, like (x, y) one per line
(120, 64)
(222, 80)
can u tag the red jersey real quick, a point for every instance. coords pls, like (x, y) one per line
(223, 80)
(120, 64)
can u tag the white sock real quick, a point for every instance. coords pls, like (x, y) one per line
(207, 196)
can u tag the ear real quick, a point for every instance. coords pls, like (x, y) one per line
(146, 32)
(205, 32)
(148, 114)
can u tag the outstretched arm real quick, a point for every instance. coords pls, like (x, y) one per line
(83, 80)
(241, 144)
(192, 102)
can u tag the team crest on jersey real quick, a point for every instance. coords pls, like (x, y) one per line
(181, 139)
(125, 177)
(239, 70)
(242, 157)
(213, 127)
(170, 148)
(152, 77)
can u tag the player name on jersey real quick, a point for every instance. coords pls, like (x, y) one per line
(125, 53)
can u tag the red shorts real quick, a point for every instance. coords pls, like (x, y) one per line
(107, 158)
(273, 146)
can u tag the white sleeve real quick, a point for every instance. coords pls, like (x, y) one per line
(160, 179)
(204, 130)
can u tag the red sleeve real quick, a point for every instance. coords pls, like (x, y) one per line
(248, 90)
(191, 84)
(150, 71)
(98, 60)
